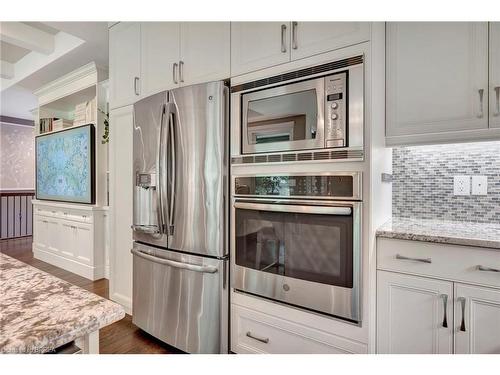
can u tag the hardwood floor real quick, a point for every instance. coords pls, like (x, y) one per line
(121, 337)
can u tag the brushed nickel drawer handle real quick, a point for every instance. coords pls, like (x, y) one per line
(421, 260)
(264, 340)
(487, 269)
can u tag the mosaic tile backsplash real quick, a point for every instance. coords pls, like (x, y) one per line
(423, 182)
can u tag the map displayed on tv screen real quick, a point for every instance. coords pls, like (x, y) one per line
(64, 165)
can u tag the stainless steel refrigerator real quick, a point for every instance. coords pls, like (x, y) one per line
(180, 267)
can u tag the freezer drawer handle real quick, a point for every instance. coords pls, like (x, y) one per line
(151, 229)
(264, 340)
(172, 263)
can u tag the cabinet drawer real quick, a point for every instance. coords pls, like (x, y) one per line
(451, 262)
(80, 217)
(256, 332)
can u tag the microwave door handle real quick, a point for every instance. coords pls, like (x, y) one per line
(324, 210)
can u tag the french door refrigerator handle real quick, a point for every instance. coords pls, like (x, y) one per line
(159, 167)
(172, 169)
(175, 264)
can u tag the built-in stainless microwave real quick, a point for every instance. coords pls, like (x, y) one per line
(316, 108)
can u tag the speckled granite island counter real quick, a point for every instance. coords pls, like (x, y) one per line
(39, 312)
(447, 232)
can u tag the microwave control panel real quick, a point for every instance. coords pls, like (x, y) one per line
(335, 110)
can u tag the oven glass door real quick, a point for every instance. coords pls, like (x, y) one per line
(316, 247)
(288, 117)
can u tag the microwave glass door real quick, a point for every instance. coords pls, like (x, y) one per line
(284, 118)
(313, 247)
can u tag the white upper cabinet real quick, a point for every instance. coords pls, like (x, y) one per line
(477, 320)
(494, 74)
(204, 52)
(437, 79)
(311, 38)
(414, 314)
(124, 63)
(258, 45)
(159, 53)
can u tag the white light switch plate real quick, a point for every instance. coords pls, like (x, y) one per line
(461, 185)
(479, 185)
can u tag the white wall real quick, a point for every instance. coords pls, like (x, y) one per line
(17, 157)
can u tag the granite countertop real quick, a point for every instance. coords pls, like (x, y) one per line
(39, 312)
(440, 231)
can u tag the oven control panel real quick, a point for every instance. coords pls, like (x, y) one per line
(342, 186)
(335, 110)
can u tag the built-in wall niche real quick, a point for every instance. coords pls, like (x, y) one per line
(78, 108)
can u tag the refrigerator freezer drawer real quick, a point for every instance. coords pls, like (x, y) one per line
(181, 299)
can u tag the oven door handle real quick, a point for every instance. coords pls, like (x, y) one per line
(323, 210)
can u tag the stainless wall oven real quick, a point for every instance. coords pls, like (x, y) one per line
(315, 108)
(296, 239)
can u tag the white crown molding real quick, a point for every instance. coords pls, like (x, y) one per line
(79, 79)
(66, 79)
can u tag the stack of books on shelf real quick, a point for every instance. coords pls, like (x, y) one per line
(61, 124)
(85, 113)
(46, 124)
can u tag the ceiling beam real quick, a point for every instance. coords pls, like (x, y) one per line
(27, 37)
(6, 70)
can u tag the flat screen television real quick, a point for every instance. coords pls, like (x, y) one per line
(65, 165)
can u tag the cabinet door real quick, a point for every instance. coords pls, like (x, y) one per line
(124, 63)
(411, 314)
(258, 45)
(205, 52)
(437, 77)
(121, 199)
(159, 52)
(495, 74)
(40, 231)
(311, 38)
(84, 243)
(67, 236)
(477, 320)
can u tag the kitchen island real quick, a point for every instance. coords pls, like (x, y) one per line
(40, 313)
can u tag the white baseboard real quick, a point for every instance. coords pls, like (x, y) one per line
(125, 301)
(84, 270)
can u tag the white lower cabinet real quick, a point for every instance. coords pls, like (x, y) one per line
(253, 331)
(412, 314)
(477, 320)
(71, 237)
(421, 285)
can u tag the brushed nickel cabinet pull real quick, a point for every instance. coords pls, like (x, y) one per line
(487, 269)
(264, 340)
(136, 86)
(481, 109)
(497, 96)
(462, 304)
(421, 260)
(445, 307)
(295, 25)
(174, 73)
(181, 70)
(283, 38)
